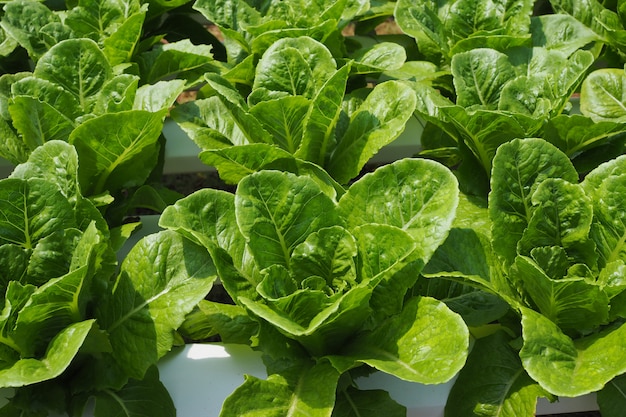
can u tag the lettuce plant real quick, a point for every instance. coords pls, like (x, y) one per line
(129, 33)
(321, 284)
(443, 29)
(551, 247)
(605, 20)
(73, 326)
(114, 124)
(297, 113)
(250, 28)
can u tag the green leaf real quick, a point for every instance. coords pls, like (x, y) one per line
(137, 399)
(117, 94)
(371, 403)
(207, 217)
(561, 216)
(311, 393)
(180, 59)
(52, 307)
(12, 147)
(421, 21)
(292, 66)
(479, 76)
(330, 254)
(320, 323)
(410, 345)
(608, 230)
(518, 168)
(322, 117)
(277, 211)
(156, 97)
(231, 322)
(162, 278)
(571, 303)
(611, 398)
(415, 195)
(121, 45)
(236, 162)
(380, 119)
(493, 383)
(113, 158)
(38, 122)
(24, 20)
(55, 95)
(282, 118)
(602, 96)
(574, 134)
(60, 353)
(567, 367)
(77, 65)
(52, 256)
(561, 32)
(233, 123)
(384, 56)
(31, 209)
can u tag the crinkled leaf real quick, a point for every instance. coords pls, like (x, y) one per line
(415, 195)
(282, 118)
(567, 367)
(293, 66)
(561, 216)
(602, 95)
(161, 280)
(312, 393)
(574, 134)
(23, 21)
(479, 76)
(79, 66)
(322, 117)
(411, 347)
(180, 59)
(12, 147)
(380, 119)
(321, 324)
(277, 211)
(30, 210)
(518, 168)
(330, 254)
(113, 158)
(117, 94)
(572, 303)
(604, 185)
